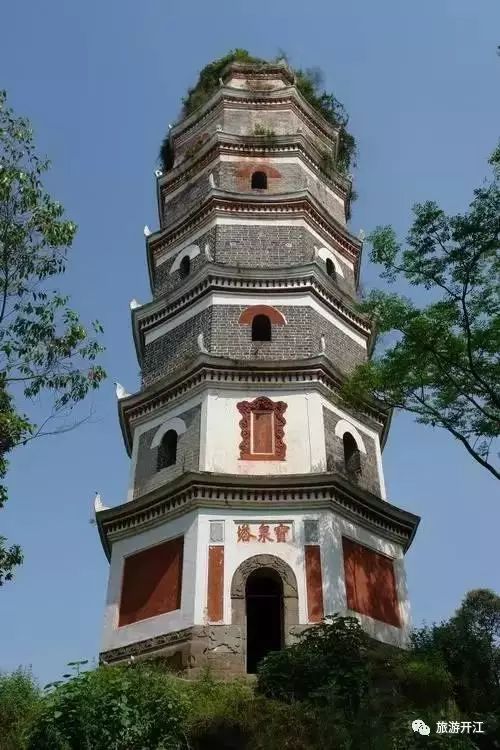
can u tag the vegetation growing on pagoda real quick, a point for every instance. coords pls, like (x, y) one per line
(309, 82)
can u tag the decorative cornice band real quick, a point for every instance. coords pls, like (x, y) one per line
(224, 143)
(210, 371)
(240, 98)
(204, 489)
(212, 279)
(299, 205)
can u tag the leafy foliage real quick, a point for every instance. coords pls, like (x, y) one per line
(310, 84)
(20, 699)
(43, 345)
(118, 708)
(335, 689)
(444, 364)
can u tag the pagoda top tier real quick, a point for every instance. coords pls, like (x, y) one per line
(258, 76)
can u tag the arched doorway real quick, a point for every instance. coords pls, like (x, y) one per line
(266, 566)
(264, 615)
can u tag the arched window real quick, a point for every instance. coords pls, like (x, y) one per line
(261, 328)
(330, 268)
(185, 266)
(167, 450)
(259, 181)
(352, 456)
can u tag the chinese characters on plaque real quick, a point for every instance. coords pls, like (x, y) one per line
(264, 531)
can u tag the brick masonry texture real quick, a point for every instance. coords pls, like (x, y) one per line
(225, 337)
(165, 282)
(188, 454)
(300, 337)
(369, 478)
(243, 122)
(236, 177)
(177, 348)
(253, 246)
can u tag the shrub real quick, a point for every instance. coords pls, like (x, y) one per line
(112, 708)
(327, 666)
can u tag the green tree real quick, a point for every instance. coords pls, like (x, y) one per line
(469, 646)
(43, 345)
(20, 699)
(442, 360)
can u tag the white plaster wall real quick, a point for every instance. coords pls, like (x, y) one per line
(113, 636)
(304, 434)
(196, 529)
(332, 528)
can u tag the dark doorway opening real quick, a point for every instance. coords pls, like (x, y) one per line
(264, 605)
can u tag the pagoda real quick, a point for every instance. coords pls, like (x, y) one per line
(257, 504)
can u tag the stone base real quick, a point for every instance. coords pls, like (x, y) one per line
(219, 648)
(189, 652)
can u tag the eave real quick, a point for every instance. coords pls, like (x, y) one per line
(213, 277)
(244, 98)
(194, 490)
(211, 371)
(299, 204)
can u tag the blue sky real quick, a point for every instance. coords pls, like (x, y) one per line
(100, 82)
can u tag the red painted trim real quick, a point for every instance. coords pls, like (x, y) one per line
(262, 404)
(314, 583)
(272, 313)
(215, 587)
(247, 169)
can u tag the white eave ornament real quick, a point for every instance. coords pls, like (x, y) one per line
(120, 391)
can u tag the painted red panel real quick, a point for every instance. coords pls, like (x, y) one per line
(370, 583)
(152, 582)
(314, 583)
(215, 593)
(262, 429)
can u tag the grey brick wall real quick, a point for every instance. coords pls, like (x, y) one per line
(260, 246)
(281, 122)
(165, 282)
(188, 454)
(225, 337)
(177, 348)
(369, 478)
(292, 177)
(253, 246)
(300, 337)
